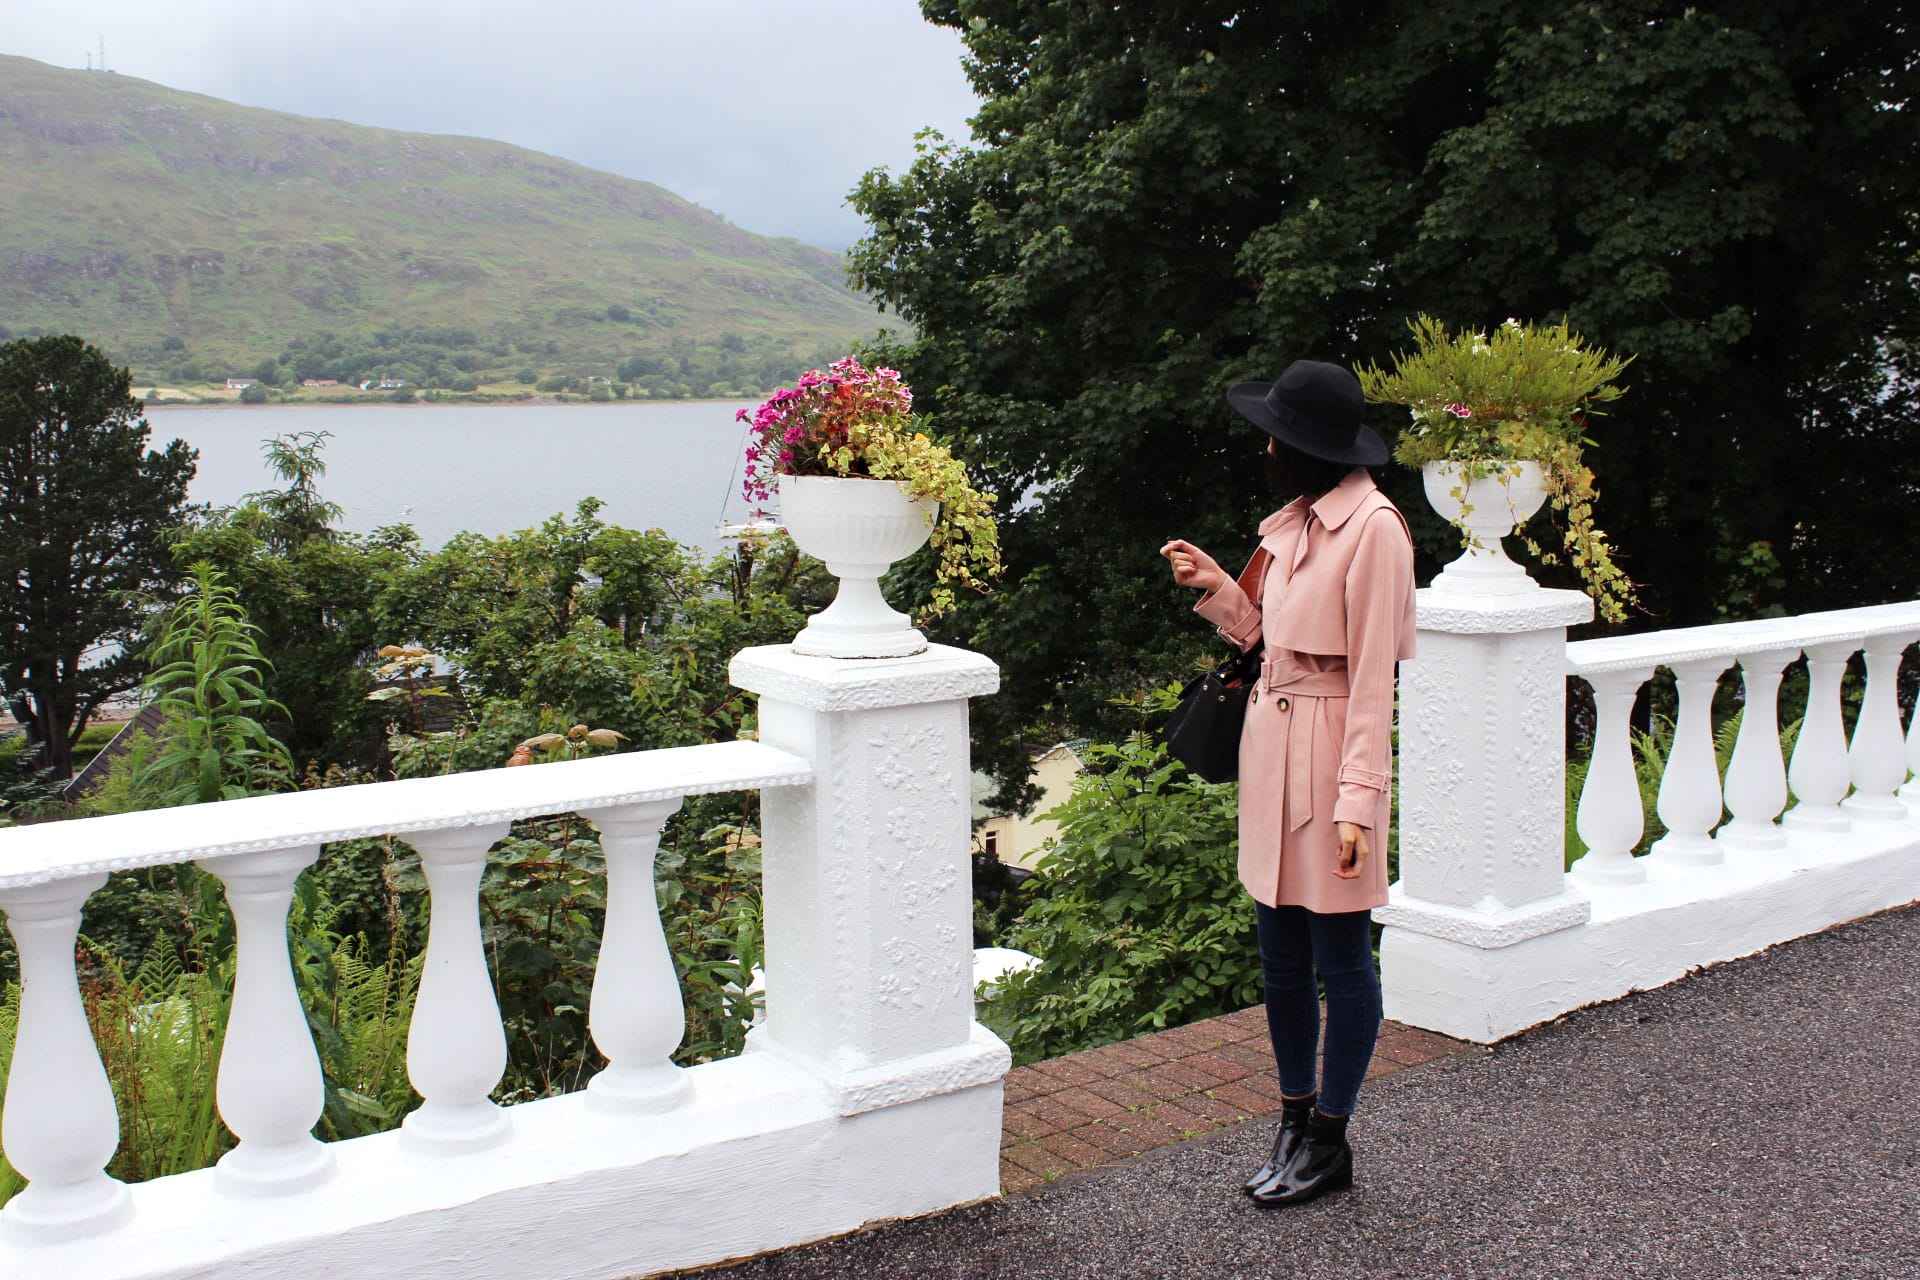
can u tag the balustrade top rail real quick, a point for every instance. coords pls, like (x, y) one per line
(1731, 639)
(45, 852)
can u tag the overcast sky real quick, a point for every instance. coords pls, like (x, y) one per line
(765, 111)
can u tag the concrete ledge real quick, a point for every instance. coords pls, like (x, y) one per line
(1646, 935)
(758, 1158)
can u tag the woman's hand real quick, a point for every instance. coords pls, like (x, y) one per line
(1355, 845)
(1193, 567)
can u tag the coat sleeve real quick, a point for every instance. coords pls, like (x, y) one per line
(1379, 583)
(1233, 613)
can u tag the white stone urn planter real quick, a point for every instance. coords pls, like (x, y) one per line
(1493, 506)
(860, 527)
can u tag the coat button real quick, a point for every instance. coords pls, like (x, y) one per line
(1283, 704)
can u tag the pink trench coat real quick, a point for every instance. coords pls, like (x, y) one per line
(1336, 609)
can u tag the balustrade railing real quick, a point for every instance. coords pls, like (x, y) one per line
(1488, 932)
(60, 1126)
(867, 1059)
(1753, 796)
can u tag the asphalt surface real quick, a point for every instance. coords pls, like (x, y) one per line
(1754, 1120)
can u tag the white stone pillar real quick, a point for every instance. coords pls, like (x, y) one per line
(1689, 801)
(456, 1047)
(1610, 818)
(867, 874)
(1757, 774)
(636, 1015)
(1482, 809)
(1819, 772)
(270, 1089)
(1877, 758)
(61, 1126)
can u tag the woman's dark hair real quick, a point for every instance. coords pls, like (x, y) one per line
(1292, 473)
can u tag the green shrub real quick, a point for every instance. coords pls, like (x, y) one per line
(1136, 911)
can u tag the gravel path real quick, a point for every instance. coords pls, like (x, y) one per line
(1754, 1120)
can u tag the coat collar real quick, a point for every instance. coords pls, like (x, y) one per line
(1333, 509)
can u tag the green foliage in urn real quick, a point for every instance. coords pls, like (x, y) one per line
(852, 421)
(1521, 392)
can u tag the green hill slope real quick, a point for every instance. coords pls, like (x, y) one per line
(192, 237)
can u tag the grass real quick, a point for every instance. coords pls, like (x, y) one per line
(142, 213)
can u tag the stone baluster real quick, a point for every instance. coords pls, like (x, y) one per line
(1610, 818)
(1819, 771)
(61, 1126)
(1757, 774)
(1877, 759)
(456, 1048)
(270, 1089)
(1689, 802)
(636, 1015)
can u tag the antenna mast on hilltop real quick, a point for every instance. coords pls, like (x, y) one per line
(103, 51)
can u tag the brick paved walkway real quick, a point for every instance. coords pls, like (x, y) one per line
(1101, 1106)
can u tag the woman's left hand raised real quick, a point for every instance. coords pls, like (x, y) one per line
(1355, 846)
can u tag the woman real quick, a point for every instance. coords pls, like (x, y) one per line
(1331, 594)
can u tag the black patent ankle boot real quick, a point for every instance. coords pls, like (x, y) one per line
(1322, 1163)
(1286, 1139)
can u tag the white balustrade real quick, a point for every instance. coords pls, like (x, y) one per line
(1819, 772)
(1454, 961)
(1877, 756)
(270, 1088)
(636, 1014)
(1756, 787)
(869, 1070)
(456, 1049)
(61, 1126)
(1689, 801)
(1610, 818)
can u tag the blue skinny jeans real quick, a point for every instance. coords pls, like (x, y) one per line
(1299, 951)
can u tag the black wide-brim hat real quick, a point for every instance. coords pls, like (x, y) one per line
(1316, 408)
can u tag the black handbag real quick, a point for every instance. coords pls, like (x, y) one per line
(1203, 731)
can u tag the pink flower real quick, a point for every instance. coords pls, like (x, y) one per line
(1459, 410)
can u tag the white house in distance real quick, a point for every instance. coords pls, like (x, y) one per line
(1017, 841)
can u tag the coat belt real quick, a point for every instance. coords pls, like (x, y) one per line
(1287, 679)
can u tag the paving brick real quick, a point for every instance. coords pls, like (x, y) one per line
(1088, 1103)
(1191, 1076)
(1247, 1023)
(1254, 1094)
(1036, 1159)
(1014, 1179)
(1133, 1054)
(1024, 1124)
(1104, 1062)
(1159, 1086)
(1183, 1120)
(1222, 1110)
(1255, 1055)
(1069, 1147)
(1128, 1092)
(1431, 1043)
(1219, 1066)
(1053, 1112)
(1069, 1070)
(1036, 1082)
(1014, 1090)
(1196, 1038)
(1146, 1132)
(1118, 1143)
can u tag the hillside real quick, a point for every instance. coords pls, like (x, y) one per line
(194, 238)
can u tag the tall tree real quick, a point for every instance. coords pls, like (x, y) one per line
(85, 512)
(1162, 199)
